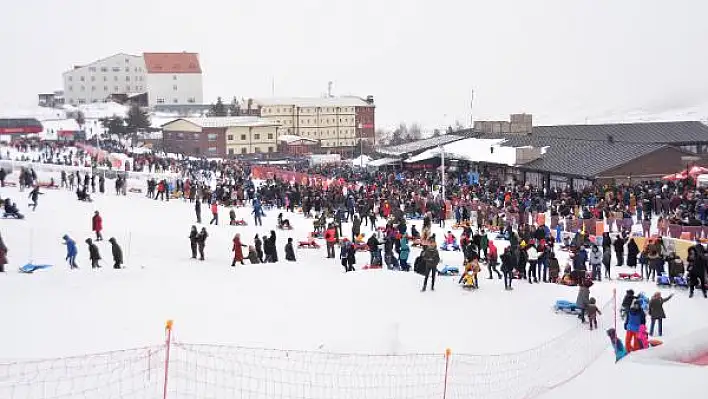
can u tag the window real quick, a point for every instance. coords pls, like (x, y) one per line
(115, 78)
(256, 136)
(69, 78)
(230, 137)
(82, 101)
(127, 88)
(115, 69)
(174, 77)
(127, 78)
(136, 69)
(105, 88)
(270, 149)
(270, 136)
(71, 88)
(160, 100)
(92, 69)
(127, 60)
(212, 150)
(175, 101)
(174, 87)
(81, 78)
(257, 150)
(127, 69)
(195, 136)
(212, 136)
(243, 150)
(105, 78)
(231, 151)
(104, 69)
(243, 137)
(191, 100)
(83, 88)
(93, 88)
(115, 89)
(94, 100)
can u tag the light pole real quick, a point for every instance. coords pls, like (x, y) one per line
(361, 145)
(442, 169)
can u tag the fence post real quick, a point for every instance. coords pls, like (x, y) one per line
(448, 352)
(168, 340)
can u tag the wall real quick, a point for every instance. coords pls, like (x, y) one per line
(251, 139)
(170, 89)
(120, 73)
(365, 117)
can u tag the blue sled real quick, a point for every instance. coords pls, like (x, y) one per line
(29, 268)
(566, 306)
(449, 270)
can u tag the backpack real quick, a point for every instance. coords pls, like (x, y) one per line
(419, 266)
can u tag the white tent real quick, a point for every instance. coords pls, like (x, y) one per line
(383, 161)
(361, 160)
(472, 150)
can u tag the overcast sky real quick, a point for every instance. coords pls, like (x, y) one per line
(562, 60)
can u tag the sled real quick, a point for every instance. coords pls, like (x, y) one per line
(449, 271)
(240, 222)
(630, 276)
(680, 282)
(663, 281)
(460, 226)
(30, 268)
(361, 247)
(135, 190)
(566, 307)
(17, 216)
(371, 267)
(308, 244)
(450, 247)
(285, 227)
(381, 228)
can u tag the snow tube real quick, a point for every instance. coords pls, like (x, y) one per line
(449, 270)
(691, 349)
(29, 268)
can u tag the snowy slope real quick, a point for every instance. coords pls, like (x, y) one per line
(309, 305)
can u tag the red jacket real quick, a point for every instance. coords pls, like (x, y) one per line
(238, 252)
(331, 235)
(97, 223)
(214, 208)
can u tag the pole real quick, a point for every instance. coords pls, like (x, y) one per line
(614, 305)
(442, 170)
(447, 368)
(168, 340)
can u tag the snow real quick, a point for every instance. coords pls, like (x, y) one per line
(473, 150)
(307, 305)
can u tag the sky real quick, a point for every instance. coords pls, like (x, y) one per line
(563, 61)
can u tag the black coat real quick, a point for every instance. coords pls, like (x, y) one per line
(289, 252)
(632, 253)
(93, 252)
(117, 252)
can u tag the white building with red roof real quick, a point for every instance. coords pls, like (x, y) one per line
(172, 81)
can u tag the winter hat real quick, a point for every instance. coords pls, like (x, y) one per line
(88, 241)
(66, 237)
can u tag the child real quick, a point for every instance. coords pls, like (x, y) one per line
(592, 311)
(626, 303)
(617, 345)
(643, 337)
(289, 251)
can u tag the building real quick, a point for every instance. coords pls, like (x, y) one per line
(51, 100)
(163, 81)
(97, 81)
(174, 80)
(338, 123)
(220, 136)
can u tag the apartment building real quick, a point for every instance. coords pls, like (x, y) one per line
(170, 81)
(337, 123)
(220, 136)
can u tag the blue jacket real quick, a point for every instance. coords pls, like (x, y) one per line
(620, 351)
(635, 318)
(257, 208)
(405, 249)
(70, 247)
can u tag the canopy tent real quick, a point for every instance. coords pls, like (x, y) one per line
(472, 150)
(361, 160)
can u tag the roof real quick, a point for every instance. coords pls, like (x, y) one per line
(344, 101)
(419, 145)
(291, 138)
(638, 133)
(75, 67)
(172, 62)
(573, 157)
(227, 121)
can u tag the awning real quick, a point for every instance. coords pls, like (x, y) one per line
(382, 162)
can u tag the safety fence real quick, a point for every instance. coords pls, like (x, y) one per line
(191, 371)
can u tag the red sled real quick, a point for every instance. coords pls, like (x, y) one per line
(239, 223)
(630, 276)
(308, 244)
(360, 247)
(381, 228)
(370, 267)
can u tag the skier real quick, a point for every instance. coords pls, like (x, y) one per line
(117, 253)
(97, 225)
(71, 251)
(34, 196)
(94, 256)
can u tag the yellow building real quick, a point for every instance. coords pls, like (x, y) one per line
(335, 122)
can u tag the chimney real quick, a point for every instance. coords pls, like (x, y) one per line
(370, 100)
(610, 139)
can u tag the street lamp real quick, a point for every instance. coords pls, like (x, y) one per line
(361, 145)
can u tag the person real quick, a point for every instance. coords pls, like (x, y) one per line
(347, 255)
(532, 256)
(34, 196)
(508, 265)
(94, 255)
(484, 245)
(595, 259)
(330, 238)
(198, 211)
(632, 253)
(238, 252)
(696, 269)
(259, 248)
(607, 261)
(617, 345)
(193, 241)
(619, 250)
(592, 312)
(656, 311)
(635, 318)
(71, 251)
(97, 225)
(289, 250)
(257, 212)
(253, 255)
(374, 251)
(201, 242)
(492, 259)
(283, 223)
(431, 258)
(271, 252)
(405, 251)
(214, 214)
(232, 217)
(117, 253)
(471, 271)
(356, 227)
(3, 254)
(583, 298)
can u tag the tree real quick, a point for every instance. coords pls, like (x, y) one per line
(218, 109)
(114, 125)
(235, 108)
(436, 132)
(137, 119)
(414, 132)
(80, 119)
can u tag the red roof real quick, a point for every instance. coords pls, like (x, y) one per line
(172, 62)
